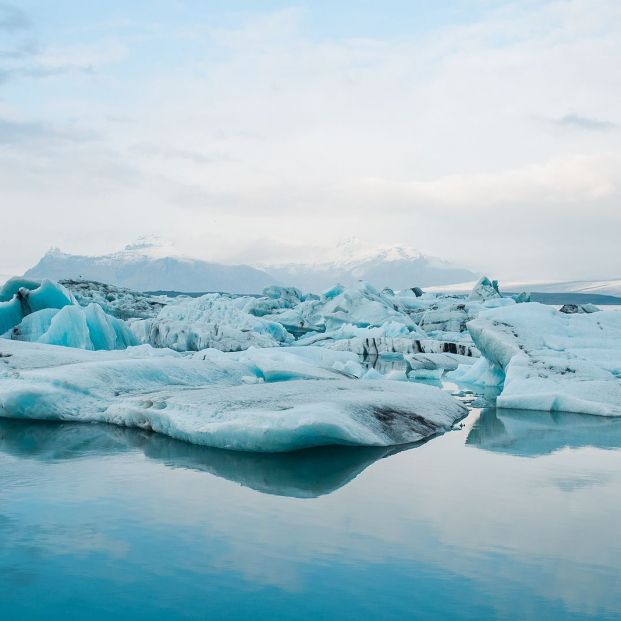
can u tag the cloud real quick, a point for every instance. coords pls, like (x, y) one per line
(26, 59)
(576, 121)
(262, 129)
(166, 153)
(569, 179)
(12, 18)
(14, 132)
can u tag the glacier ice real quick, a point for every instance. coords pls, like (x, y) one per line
(552, 361)
(301, 319)
(446, 318)
(362, 305)
(47, 312)
(571, 309)
(360, 319)
(116, 301)
(354, 314)
(442, 361)
(282, 370)
(213, 320)
(485, 289)
(204, 398)
(359, 306)
(20, 297)
(481, 373)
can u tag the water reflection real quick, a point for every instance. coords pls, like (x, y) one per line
(531, 433)
(518, 530)
(301, 474)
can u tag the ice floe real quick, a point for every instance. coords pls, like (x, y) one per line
(219, 400)
(551, 361)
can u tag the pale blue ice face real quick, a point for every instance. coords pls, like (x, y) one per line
(511, 517)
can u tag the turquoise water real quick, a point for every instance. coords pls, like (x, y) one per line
(512, 516)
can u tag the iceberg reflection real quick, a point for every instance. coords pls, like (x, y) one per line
(301, 474)
(531, 433)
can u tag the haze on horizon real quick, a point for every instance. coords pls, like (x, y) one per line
(484, 132)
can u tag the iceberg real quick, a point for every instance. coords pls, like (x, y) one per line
(116, 301)
(571, 309)
(387, 339)
(210, 321)
(361, 305)
(290, 295)
(485, 289)
(362, 316)
(218, 400)
(298, 320)
(372, 346)
(445, 318)
(278, 364)
(47, 312)
(552, 361)
(446, 315)
(441, 361)
(481, 373)
(11, 287)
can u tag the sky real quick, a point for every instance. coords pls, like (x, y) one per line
(484, 132)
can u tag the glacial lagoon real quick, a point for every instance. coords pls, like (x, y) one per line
(512, 515)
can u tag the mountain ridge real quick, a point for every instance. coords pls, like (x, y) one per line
(149, 264)
(147, 271)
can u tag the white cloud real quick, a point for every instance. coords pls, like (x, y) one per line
(567, 180)
(261, 136)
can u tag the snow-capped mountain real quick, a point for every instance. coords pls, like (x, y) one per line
(151, 265)
(397, 267)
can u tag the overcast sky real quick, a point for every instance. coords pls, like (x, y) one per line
(484, 132)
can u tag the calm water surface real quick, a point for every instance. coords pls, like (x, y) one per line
(515, 515)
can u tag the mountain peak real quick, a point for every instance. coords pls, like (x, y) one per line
(149, 264)
(353, 250)
(151, 246)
